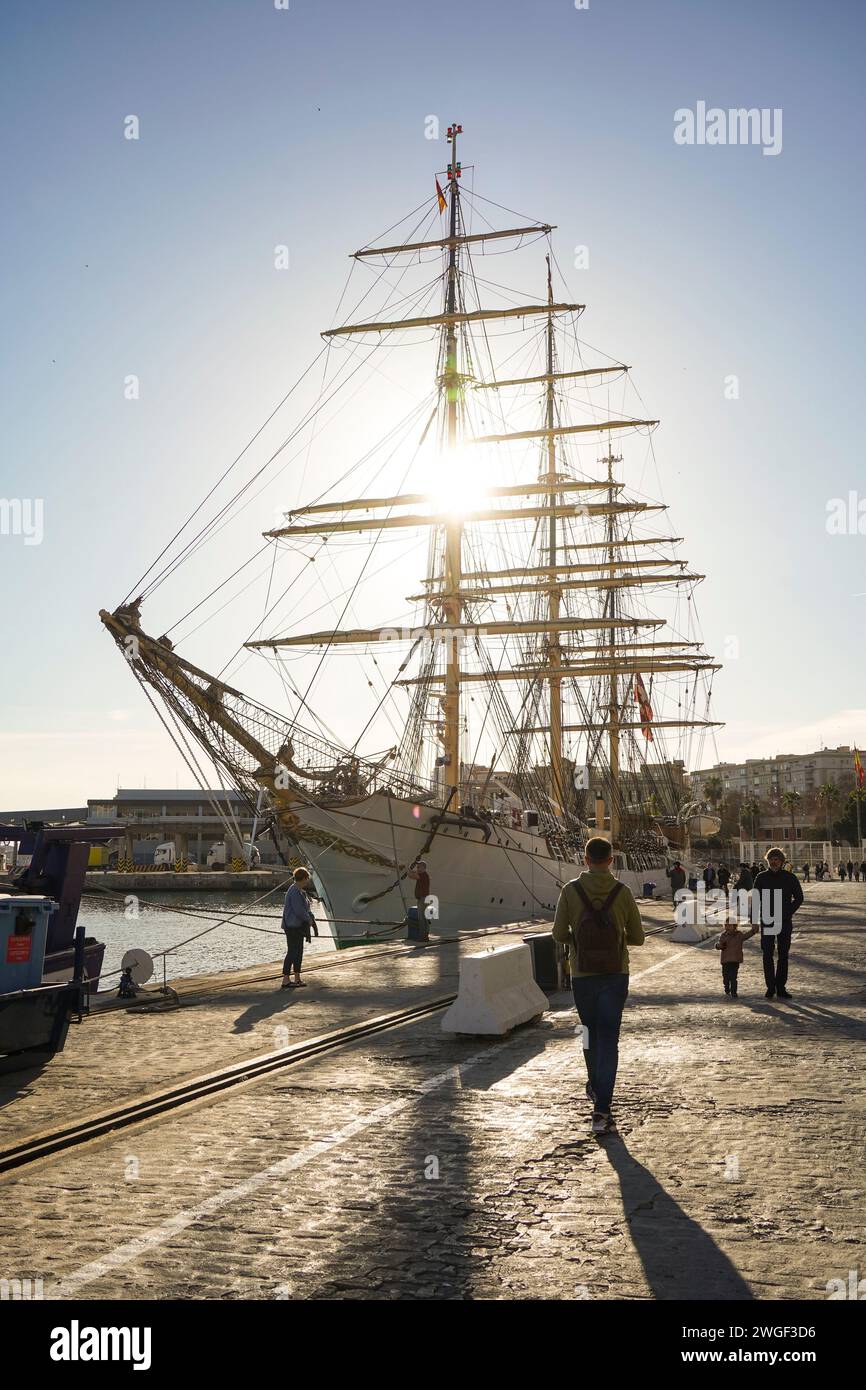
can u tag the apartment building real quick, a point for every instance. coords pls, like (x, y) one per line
(769, 778)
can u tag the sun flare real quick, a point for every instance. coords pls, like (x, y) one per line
(462, 481)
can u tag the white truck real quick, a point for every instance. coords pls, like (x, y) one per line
(219, 856)
(165, 856)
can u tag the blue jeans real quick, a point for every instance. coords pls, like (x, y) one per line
(600, 1000)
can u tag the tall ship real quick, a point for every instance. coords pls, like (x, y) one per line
(510, 660)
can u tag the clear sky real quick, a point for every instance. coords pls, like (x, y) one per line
(306, 127)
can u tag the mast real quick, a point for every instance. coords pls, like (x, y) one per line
(452, 606)
(613, 706)
(553, 590)
(580, 659)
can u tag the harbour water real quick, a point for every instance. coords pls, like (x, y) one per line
(233, 931)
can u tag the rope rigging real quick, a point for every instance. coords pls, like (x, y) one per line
(554, 685)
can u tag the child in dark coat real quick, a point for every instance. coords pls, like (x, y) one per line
(730, 943)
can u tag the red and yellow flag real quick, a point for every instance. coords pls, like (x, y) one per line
(858, 768)
(441, 197)
(646, 709)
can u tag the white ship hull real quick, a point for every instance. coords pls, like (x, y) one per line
(474, 883)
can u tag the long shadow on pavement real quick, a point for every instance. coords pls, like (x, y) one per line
(680, 1260)
(794, 1011)
(428, 1239)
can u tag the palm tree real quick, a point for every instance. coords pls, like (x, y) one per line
(751, 807)
(791, 801)
(827, 794)
(713, 790)
(845, 828)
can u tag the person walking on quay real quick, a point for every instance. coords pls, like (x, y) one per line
(709, 876)
(724, 876)
(745, 878)
(776, 879)
(850, 867)
(805, 873)
(677, 876)
(841, 872)
(598, 919)
(730, 943)
(298, 923)
(863, 870)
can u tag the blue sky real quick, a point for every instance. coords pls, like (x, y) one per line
(307, 127)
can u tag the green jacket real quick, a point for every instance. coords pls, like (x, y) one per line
(596, 884)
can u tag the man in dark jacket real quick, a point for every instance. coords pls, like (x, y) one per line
(777, 880)
(677, 876)
(745, 878)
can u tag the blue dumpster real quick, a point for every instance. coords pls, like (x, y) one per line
(23, 933)
(416, 925)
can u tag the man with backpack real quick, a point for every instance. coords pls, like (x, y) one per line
(598, 919)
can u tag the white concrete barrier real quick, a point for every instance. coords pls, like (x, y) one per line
(694, 931)
(691, 920)
(496, 992)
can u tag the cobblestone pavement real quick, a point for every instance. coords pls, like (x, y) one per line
(417, 1166)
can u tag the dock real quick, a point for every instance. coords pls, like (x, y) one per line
(189, 881)
(404, 1163)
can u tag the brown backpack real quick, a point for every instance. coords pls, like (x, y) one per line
(598, 942)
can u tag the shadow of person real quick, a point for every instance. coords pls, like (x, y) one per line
(18, 1075)
(680, 1260)
(810, 1010)
(266, 1008)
